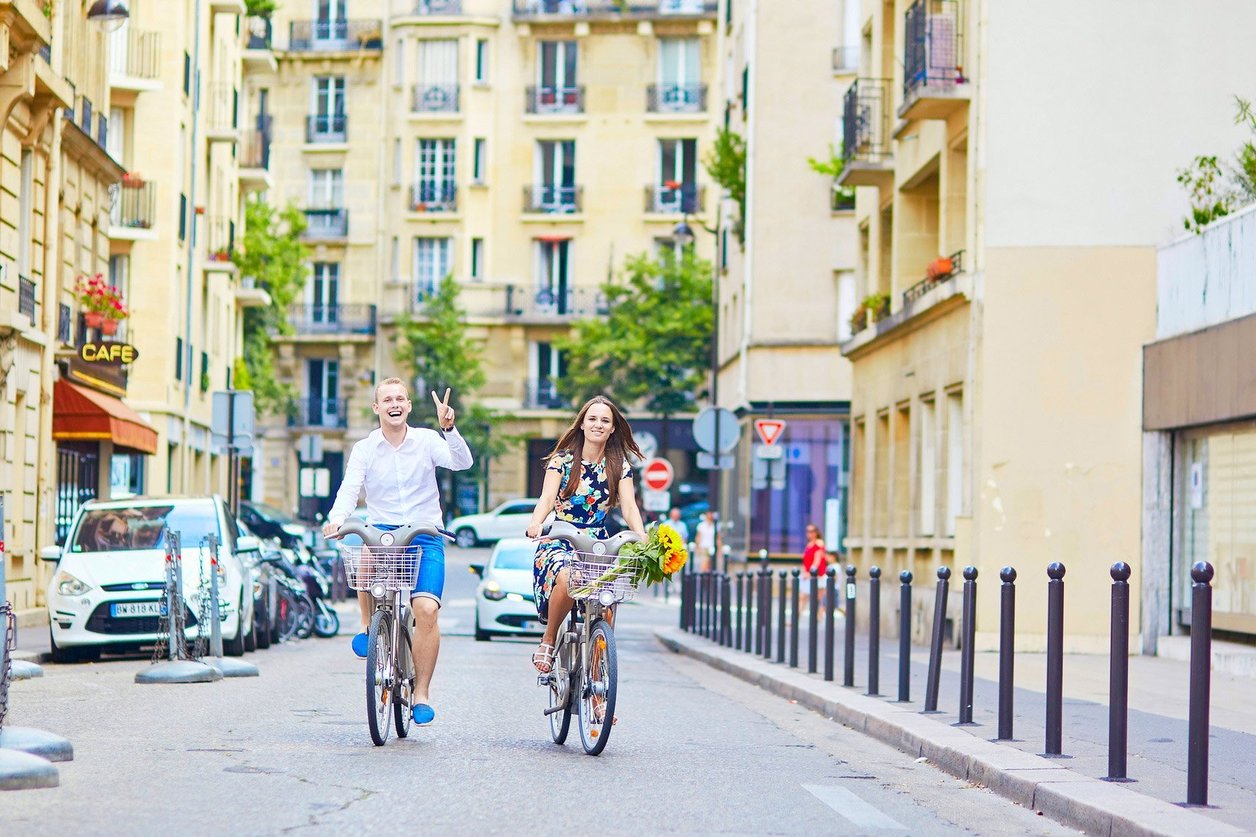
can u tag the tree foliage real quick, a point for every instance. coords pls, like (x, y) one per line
(1214, 189)
(275, 258)
(726, 164)
(654, 346)
(832, 168)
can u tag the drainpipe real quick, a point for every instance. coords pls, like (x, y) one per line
(186, 456)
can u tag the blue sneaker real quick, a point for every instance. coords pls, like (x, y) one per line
(360, 644)
(423, 714)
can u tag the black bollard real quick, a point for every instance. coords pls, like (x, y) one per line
(741, 608)
(767, 614)
(968, 638)
(813, 620)
(727, 638)
(1119, 673)
(848, 661)
(1055, 659)
(904, 637)
(747, 614)
(935, 641)
(874, 631)
(712, 603)
(793, 640)
(783, 593)
(1007, 634)
(684, 601)
(1201, 685)
(758, 613)
(700, 603)
(830, 594)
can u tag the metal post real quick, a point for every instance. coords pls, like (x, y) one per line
(935, 641)
(969, 637)
(1201, 672)
(741, 607)
(830, 596)
(874, 631)
(1007, 634)
(796, 610)
(848, 657)
(1119, 673)
(726, 626)
(767, 614)
(762, 612)
(904, 637)
(813, 638)
(215, 627)
(684, 597)
(1055, 659)
(171, 542)
(783, 593)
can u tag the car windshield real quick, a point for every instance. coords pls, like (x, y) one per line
(271, 513)
(514, 557)
(143, 527)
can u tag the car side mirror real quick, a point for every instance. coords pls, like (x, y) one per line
(248, 543)
(477, 569)
(50, 553)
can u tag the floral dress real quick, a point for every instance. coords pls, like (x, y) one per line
(586, 508)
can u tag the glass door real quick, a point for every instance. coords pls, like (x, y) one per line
(323, 382)
(322, 293)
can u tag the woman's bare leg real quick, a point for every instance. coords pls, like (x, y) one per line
(559, 606)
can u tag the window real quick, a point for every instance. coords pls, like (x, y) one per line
(555, 177)
(548, 367)
(436, 188)
(394, 260)
(431, 265)
(954, 459)
(187, 73)
(323, 406)
(399, 63)
(117, 129)
(677, 186)
(437, 88)
(183, 216)
(557, 87)
(477, 258)
(328, 123)
(332, 25)
(322, 292)
(478, 161)
(928, 466)
(178, 358)
(553, 280)
(481, 61)
(326, 189)
(680, 75)
(396, 162)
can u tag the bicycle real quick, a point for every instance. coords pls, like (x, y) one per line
(386, 566)
(584, 669)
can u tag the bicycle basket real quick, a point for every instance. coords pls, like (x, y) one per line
(589, 575)
(395, 567)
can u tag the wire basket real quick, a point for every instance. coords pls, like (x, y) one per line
(589, 575)
(395, 567)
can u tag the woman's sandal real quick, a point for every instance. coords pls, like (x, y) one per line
(543, 656)
(599, 713)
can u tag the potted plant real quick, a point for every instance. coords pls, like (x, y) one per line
(101, 303)
(939, 268)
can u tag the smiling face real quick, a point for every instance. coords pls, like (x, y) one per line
(392, 405)
(598, 424)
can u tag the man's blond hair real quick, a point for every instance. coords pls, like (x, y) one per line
(389, 382)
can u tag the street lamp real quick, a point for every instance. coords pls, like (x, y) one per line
(683, 234)
(108, 14)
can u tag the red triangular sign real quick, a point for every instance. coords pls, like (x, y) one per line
(769, 430)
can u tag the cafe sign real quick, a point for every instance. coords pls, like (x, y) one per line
(111, 353)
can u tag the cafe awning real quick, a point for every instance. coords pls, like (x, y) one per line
(79, 413)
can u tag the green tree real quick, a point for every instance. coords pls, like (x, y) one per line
(438, 353)
(274, 258)
(654, 347)
(832, 169)
(726, 163)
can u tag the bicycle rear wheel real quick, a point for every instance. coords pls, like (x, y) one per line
(379, 676)
(404, 693)
(560, 692)
(597, 690)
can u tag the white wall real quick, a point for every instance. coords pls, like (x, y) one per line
(1203, 280)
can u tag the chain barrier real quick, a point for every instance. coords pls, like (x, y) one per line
(6, 668)
(172, 623)
(201, 647)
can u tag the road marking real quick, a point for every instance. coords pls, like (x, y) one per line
(851, 807)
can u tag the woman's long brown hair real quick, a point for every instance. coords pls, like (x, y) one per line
(618, 446)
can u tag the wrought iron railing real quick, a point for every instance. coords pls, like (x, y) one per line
(434, 98)
(932, 46)
(261, 33)
(102, 130)
(136, 204)
(676, 98)
(433, 197)
(135, 53)
(224, 110)
(326, 223)
(219, 239)
(438, 7)
(65, 324)
(333, 319)
(548, 99)
(555, 302)
(614, 8)
(26, 302)
(335, 35)
(326, 128)
(543, 395)
(865, 121)
(85, 115)
(939, 270)
(255, 149)
(552, 199)
(680, 199)
(320, 412)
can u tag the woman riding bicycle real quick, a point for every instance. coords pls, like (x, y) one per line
(586, 475)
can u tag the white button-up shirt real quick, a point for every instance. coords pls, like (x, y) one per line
(400, 482)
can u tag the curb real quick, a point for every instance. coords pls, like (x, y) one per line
(1069, 797)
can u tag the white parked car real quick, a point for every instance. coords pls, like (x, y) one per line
(509, 520)
(504, 603)
(107, 591)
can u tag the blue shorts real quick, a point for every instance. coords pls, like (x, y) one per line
(430, 583)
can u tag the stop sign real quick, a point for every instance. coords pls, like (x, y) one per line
(657, 474)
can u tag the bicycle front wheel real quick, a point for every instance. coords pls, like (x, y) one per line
(404, 693)
(379, 675)
(597, 690)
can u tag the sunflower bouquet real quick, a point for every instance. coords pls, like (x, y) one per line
(656, 559)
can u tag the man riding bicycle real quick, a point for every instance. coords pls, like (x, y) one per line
(396, 468)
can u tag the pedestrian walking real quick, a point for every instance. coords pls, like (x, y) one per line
(673, 520)
(395, 466)
(706, 540)
(815, 562)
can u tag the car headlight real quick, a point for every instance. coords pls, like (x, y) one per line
(493, 591)
(68, 585)
(513, 597)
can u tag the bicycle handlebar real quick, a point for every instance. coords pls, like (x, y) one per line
(581, 542)
(401, 536)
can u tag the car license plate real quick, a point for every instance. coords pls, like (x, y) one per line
(137, 609)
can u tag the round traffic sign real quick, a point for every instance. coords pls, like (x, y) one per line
(712, 422)
(657, 474)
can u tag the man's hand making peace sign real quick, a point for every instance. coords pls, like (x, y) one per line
(444, 413)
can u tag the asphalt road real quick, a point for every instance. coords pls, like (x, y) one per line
(695, 751)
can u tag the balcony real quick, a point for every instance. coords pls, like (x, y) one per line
(554, 100)
(26, 303)
(939, 270)
(254, 159)
(331, 413)
(434, 98)
(548, 199)
(250, 294)
(258, 55)
(134, 211)
(326, 224)
(946, 286)
(866, 134)
(543, 395)
(676, 98)
(335, 35)
(223, 122)
(219, 244)
(553, 303)
(134, 59)
(332, 319)
(613, 9)
(435, 8)
(674, 199)
(433, 197)
(326, 129)
(934, 86)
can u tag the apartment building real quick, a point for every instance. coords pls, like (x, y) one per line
(787, 272)
(525, 147)
(1013, 179)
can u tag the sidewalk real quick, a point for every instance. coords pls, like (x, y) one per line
(1067, 789)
